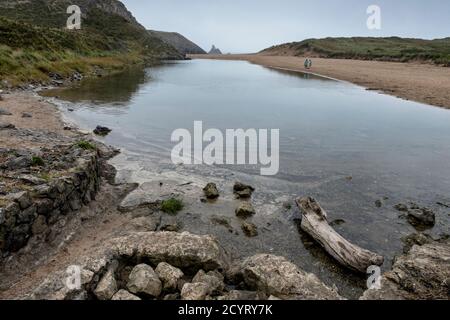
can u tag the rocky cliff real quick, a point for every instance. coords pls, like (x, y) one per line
(106, 25)
(181, 43)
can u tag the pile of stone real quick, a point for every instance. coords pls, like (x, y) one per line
(38, 189)
(172, 266)
(245, 210)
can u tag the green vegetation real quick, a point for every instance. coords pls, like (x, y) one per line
(37, 162)
(45, 176)
(85, 145)
(384, 49)
(34, 42)
(172, 206)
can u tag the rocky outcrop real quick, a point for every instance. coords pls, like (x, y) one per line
(420, 217)
(187, 267)
(275, 276)
(178, 41)
(421, 274)
(214, 50)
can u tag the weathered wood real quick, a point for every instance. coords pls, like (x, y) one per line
(314, 222)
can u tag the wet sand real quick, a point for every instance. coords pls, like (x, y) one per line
(423, 83)
(29, 111)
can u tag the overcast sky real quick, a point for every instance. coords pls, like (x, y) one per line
(241, 26)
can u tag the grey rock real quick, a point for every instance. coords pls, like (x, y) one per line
(28, 215)
(181, 250)
(125, 295)
(4, 112)
(44, 206)
(250, 229)
(195, 291)
(39, 225)
(53, 288)
(214, 280)
(276, 276)
(102, 131)
(143, 279)
(378, 203)
(22, 198)
(107, 286)
(401, 207)
(211, 191)
(2, 216)
(28, 178)
(7, 126)
(422, 216)
(169, 275)
(75, 204)
(171, 296)
(18, 163)
(17, 238)
(149, 223)
(245, 210)
(422, 274)
(242, 190)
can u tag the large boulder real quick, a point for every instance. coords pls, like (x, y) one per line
(181, 250)
(275, 276)
(144, 280)
(421, 274)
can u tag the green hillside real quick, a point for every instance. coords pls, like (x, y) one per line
(384, 49)
(34, 41)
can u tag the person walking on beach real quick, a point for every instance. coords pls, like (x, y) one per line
(306, 63)
(309, 64)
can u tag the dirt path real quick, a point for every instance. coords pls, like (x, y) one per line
(424, 83)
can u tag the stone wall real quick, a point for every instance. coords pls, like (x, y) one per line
(33, 211)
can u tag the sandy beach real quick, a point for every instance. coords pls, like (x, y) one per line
(423, 83)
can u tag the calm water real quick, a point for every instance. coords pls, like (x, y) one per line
(393, 149)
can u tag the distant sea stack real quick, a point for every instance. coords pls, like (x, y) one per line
(178, 41)
(215, 50)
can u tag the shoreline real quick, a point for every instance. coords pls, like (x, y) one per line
(106, 225)
(422, 83)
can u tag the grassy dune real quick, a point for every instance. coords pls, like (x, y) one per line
(383, 49)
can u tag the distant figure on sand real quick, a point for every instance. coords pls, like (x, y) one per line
(308, 63)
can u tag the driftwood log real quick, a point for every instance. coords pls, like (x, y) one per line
(314, 222)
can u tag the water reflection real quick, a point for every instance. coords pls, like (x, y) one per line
(117, 89)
